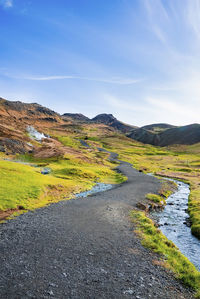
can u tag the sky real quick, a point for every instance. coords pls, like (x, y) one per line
(136, 59)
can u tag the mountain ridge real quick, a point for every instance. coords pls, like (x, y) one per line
(15, 116)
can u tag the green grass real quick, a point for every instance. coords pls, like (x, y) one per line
(24, 185)
(154, 239)
(155, 198)
(69, 141)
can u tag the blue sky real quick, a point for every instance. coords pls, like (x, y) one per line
(136, 59)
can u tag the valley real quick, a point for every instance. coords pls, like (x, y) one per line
(47, 159)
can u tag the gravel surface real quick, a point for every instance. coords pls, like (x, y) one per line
(84, 248)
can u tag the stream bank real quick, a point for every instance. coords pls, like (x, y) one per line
(174, 223)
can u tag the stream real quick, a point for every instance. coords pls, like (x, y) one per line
(99, 187)
(172, 221)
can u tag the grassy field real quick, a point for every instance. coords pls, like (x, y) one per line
(24, 186)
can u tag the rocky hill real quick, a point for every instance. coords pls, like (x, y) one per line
(106, 119)
(15, 117)
(111, 121)
(20, 114)
(75, 117)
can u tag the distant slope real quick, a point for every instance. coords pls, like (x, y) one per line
(110, 120)
(144, 136)
(189, 134)
(76, 117)
(158, 127)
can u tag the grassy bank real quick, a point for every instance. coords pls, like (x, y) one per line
(171, 257)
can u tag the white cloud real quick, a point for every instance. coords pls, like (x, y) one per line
(6, 3)
(112, 80)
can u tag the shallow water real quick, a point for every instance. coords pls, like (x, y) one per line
(99, 187)
(172, 224)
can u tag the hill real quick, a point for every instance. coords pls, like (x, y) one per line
(75, 117)
(168, 135)
(16, 117)
(111, 121)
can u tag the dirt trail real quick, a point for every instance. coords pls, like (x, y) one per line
(84, 248)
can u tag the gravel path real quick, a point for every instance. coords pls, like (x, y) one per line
(84, 248)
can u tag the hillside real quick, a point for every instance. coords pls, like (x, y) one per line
(75, 117)
(167, 135)
(181, 135)
(157, 127)
(16, 116)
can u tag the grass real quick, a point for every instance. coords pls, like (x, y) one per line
(173, 259)
(181, 162)
(156, 198)
(24, 185)
(69, 141)
(167, 188)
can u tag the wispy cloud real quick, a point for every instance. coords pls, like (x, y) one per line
(157, 15)
(193, 16)
(6, 3)
(113, 80)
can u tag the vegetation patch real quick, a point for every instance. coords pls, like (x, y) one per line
(155, 198)
(22, 184)
(168, 187)
(173, 259)
(69, 141)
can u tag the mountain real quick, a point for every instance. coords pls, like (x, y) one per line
(22, 112)
(75, 117)
(110, 120)
(106, 119)
(16, 117)
(189, 134)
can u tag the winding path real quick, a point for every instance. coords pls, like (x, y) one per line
(84, 248)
